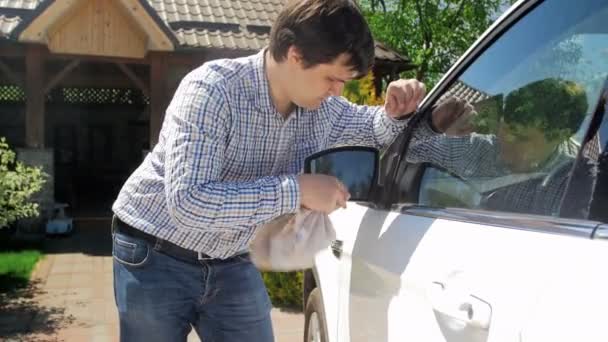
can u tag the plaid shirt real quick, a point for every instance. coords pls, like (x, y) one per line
(226, 160)
(476, 158)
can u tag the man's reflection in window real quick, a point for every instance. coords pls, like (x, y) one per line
(523, 160)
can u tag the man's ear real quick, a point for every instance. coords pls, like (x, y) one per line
(294, 56)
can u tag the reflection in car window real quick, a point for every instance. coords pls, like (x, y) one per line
(526, 104)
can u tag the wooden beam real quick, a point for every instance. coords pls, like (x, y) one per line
(8, 72)
(158, 94)
(191, 59)
(12, 50)
(134, 78)
(34, 107)
(83, 80)
(86, 58)
(98, 81)
(61, 75)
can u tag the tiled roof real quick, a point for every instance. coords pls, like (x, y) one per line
(234, 24)
(220, 39)
(386, 54)
(7, 25)
(223, 24)
(12, 13)
(20, 4)
(243, 12)
(466, 92)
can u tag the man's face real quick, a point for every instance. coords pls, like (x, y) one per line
(309, 87)
(524, 148)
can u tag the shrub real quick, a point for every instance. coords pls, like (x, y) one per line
(284, 289)
(18, 183)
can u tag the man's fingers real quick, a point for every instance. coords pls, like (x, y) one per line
(399, 95)
(391, 105)
(403, 97)
(344, 193)
(341, 201)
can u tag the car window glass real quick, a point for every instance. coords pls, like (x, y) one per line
(517, 115)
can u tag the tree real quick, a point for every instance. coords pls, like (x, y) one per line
(18, 183)
(433, 33)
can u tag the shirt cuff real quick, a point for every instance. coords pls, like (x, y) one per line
(427, 129)
(289, 195)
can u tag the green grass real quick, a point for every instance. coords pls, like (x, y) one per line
(17, 261)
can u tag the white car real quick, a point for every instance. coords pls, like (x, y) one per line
(491, 235)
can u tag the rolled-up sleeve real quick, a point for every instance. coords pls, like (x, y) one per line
(197, 198)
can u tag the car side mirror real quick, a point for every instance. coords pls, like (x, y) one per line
(355, 166)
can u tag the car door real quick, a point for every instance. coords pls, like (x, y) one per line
(490, 235)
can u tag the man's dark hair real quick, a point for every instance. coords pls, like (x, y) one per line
(322, 30)
(554, 105)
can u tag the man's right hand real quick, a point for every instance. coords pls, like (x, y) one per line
(322, 193)
(454, 117)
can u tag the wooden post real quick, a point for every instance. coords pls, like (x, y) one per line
(158, 94)
(34, 94)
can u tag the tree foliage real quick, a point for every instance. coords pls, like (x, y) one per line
(432, 33)
(557, 107)
(18, 183)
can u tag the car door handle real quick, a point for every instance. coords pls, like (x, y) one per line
(458, 306)
(336, 248)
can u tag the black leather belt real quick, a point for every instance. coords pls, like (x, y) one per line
(161, 245)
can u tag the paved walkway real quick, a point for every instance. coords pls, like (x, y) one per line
(71, 296)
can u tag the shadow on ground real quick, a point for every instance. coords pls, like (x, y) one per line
(22, 315)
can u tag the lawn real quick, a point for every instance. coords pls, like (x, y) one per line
(17, 261)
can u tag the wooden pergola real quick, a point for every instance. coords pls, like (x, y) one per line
(68, 34)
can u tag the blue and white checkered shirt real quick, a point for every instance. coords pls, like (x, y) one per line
(226, 160)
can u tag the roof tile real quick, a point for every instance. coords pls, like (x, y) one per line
(8, 24)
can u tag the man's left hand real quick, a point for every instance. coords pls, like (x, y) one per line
(403, 98)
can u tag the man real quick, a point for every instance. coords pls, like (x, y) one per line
(525, 166)
(230, 149)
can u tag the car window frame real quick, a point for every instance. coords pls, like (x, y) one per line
(598, 120)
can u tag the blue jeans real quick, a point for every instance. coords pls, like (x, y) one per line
(160, 298)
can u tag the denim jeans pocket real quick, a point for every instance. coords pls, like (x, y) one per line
(129, 250)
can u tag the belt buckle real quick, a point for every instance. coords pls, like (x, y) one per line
(203, 257)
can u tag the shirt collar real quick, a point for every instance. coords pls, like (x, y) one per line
(262, 97)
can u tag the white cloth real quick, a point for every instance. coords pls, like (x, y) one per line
(290, 242)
